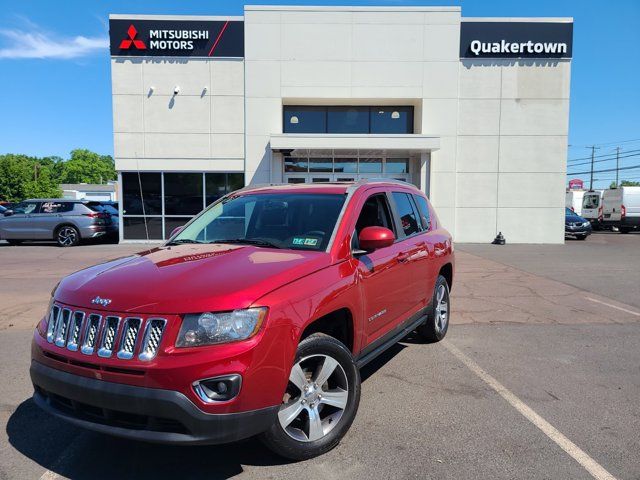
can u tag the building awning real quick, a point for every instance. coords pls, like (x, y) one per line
(407, 142)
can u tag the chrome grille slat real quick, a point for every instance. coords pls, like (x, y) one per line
(75, 329)
(90, 333)
(63, 327)
(109, 332)
(54, 314)
(152, 337)
(129, 336)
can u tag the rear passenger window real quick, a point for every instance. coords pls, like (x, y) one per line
(406, 212)
(423, 209)
(56, 207)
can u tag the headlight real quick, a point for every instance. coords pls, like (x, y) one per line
(213, 328)
(586, 224)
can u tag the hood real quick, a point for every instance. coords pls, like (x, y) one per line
(188, 278)
(573, 218)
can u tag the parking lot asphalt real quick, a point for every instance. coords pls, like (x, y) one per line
(521, 340)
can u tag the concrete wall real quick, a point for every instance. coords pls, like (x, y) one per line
(512, 150)
(347, 55)
(199, 129)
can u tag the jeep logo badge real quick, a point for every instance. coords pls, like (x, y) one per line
(101, 301)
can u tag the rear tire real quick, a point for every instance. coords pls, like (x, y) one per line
(436, 326)
(67, 236)
(320, 402)
(624, 230)
(14, 242)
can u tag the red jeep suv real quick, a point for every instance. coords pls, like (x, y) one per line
(252, 319)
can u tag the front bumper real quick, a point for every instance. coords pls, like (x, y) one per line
(140, 413)
(582, 230)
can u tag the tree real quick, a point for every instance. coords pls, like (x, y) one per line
(85, 166)
(625, 183)
(23, 177)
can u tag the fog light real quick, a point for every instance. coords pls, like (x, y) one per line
(218, 389)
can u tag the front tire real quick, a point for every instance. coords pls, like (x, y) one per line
(320, 402)
(14, 242)
(67, 236)
(436, 326)
(581, 237)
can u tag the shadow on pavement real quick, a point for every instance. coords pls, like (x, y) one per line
(79, 454)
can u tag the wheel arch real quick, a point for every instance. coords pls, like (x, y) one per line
(447, 272)
(337, 324)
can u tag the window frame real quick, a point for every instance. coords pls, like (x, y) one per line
(428, 212)
(355, 240)
(398, 218)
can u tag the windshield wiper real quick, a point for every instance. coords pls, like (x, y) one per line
(248, 241)
(183, 240)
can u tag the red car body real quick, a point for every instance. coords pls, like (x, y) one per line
(298, 288)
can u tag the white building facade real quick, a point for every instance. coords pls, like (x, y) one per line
(474, 111)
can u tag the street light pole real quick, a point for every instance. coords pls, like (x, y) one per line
(593, 151)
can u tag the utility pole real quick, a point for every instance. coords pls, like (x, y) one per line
(617, 165)
(593, 152)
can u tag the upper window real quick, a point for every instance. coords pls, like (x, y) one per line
(305, 119)
(391, 119)
(406, 212)
(423, 209)
(347, 119)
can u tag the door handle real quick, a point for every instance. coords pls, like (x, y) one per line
(403, 257)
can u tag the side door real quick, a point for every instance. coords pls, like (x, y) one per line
(18, 225)
(382, 278)
(417, 248)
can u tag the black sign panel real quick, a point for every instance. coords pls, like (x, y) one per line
(516, 39)
(176, 38)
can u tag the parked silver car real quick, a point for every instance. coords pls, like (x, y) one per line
(63, 220)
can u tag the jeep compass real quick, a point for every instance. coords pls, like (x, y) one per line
(253, 319)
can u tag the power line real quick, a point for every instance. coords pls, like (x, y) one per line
(605, 170)
(612, 155)
(606, 159)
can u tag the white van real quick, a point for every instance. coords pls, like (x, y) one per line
(592, 208)
(573, 201)
(621, 208)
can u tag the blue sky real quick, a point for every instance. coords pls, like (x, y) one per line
(59, 97)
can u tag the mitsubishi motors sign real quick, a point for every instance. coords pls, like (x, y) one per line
(176, 38)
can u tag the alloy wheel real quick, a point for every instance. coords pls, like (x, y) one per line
(315, 399)
(442, 308)
(67, 236)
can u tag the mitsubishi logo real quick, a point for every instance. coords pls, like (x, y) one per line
(126, 43)
(101, 301)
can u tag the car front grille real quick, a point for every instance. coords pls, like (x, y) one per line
(93, 333)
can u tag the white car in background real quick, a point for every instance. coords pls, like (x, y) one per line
(573, 201)
(621, 208)
(592, 208)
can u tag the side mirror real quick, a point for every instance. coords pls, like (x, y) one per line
(373, 238)
(8, 213)
(175, 231)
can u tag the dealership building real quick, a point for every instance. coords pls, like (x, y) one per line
(473, 111)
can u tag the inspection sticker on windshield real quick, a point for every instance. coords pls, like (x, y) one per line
(309, 242)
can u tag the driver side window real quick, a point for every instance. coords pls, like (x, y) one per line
(375, 213)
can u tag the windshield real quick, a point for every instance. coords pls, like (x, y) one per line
(299, 221)
(591, 201)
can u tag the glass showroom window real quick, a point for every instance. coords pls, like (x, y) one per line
(348, 120)
(391, 119)
(156, 203)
